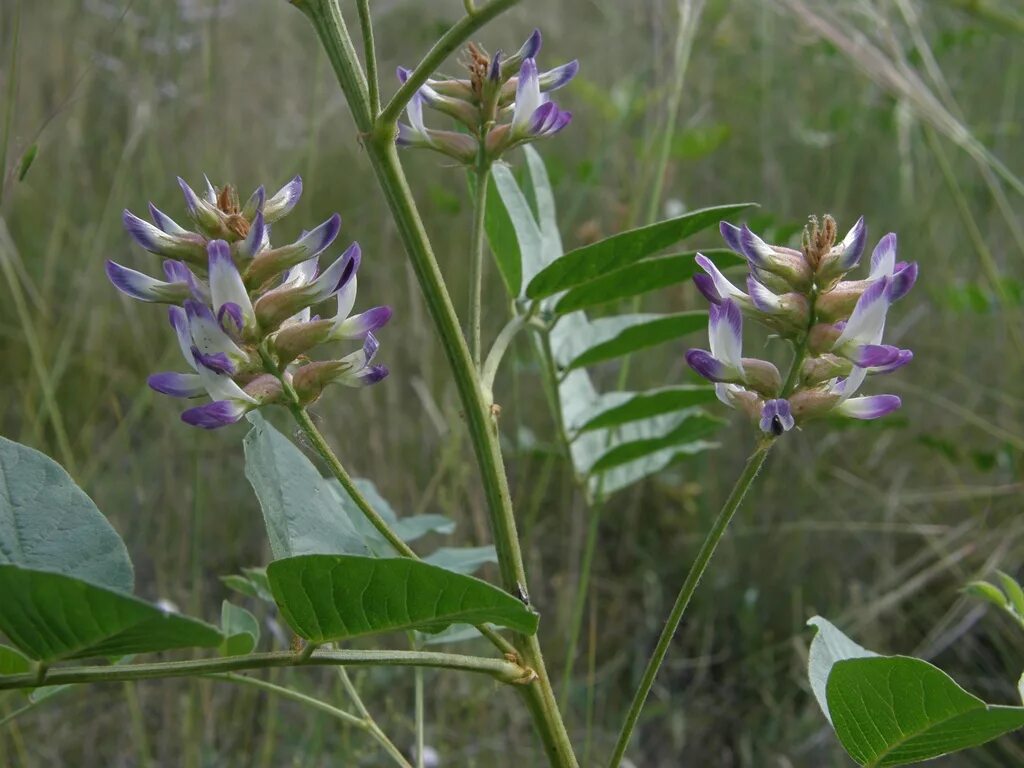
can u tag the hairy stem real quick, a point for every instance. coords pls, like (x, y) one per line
(707, 550)
(500, 669)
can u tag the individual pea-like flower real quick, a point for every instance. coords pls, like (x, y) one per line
(502, 104)
(836, 325)
(241, 309)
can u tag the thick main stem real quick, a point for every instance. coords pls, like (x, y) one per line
(707, 551)
(379, 142)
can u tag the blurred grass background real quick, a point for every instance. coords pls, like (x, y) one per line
(906, 111)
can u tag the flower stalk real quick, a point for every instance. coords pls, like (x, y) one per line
(700, 565)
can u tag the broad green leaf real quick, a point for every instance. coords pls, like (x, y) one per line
(50, 616)
(240, 628)
(686, 437)
(13, 662)
(642, 277)
(528, 238)
(325, 598)
(609, 337)
(592, 261)
(615, 408)
(301, 512)
(462, 559)
(48, 523)
(829, 646)
(895, 710)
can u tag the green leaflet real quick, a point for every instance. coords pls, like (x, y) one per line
(325, 598)
(49, 617)
(897, 710)
(49, 523)
(590, 262)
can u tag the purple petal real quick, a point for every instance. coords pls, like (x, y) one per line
(254, 205)
(705, 365)
(179, 322)
(871, 407)
(731, 235)
(883, 258)
(531, 47)
(707, 288)
(540, 117)
(176, 384)
(723, 288)
(365, 377)
(726, 333)
(555, 78)
(403, 74)
(776, 417)
(218, 362)
(359, 325)
(283, 200)
(763, 299)
(145, 234)
(165, 222)
(902, 281)
(231, 319)
(495, 72)
(143, 287)
(211, 191)
(254, 240)
(192, 201)
(875, 355)
(853, 245)
(903, 357)
(219, 413)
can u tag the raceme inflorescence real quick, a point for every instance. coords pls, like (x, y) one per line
(502, 104)
(836, 325)
(241, 308)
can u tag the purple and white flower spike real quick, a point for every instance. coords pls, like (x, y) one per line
(836, 325)
(499, 86)
(241, 308)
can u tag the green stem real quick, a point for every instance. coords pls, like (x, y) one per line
(582, 590)
(371, 725)
(476, 259)
(693, 578)
(370, 54)
(419, 718)
(500, 669)
(383, 156)
(450, 41)
(489, 370)
(319, 442)
(288, 693)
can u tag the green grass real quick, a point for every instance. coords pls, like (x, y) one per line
(876, 527)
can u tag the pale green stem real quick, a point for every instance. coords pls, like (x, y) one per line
(369, 723)
(370, 54)
(693, 578)
(289, 693)
(582, 591)
(476, 260)
(489, 370)
(419, 719)
(500, 669)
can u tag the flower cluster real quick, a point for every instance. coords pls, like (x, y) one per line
(835, 324)
(241, 308)
(498, 88)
